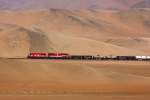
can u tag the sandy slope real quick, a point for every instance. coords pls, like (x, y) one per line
(77, 32)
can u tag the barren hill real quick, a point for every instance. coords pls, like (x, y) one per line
(142, 4)
(72, 4)
(76, 32)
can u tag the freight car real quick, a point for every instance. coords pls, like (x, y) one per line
(81, 57)
(143, 58)
(126, 58)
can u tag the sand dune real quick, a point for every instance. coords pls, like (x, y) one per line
(77, 32)
(13, 42)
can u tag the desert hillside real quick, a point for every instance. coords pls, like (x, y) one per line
(73, 4)
(77, 32)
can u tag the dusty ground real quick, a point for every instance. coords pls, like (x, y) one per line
(73, 97)
(52, 79)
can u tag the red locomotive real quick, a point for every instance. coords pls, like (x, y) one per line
(57, 55)
(48, 55)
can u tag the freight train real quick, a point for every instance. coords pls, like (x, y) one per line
(66, 56)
